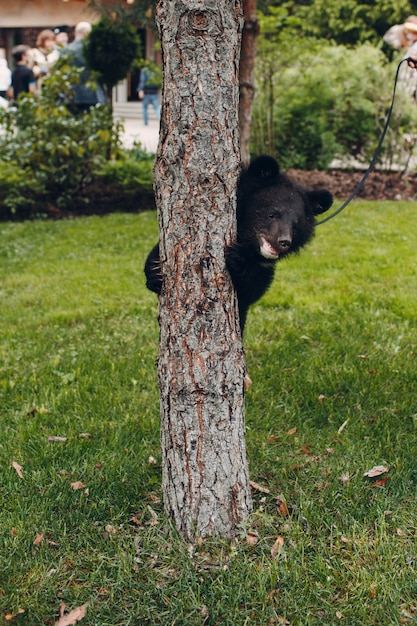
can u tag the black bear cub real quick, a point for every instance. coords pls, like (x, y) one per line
(275, 217)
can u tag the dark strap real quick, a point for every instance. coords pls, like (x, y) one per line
(376, 154)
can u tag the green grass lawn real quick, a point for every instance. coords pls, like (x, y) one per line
(332, 353)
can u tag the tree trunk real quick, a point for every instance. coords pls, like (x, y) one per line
(201, 363)
(247, 64)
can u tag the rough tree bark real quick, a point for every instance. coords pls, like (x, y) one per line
(201, 361)
(246, 72)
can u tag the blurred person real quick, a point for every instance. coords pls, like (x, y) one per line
(23, 78)
(5, 78)
(84, 97)
(148, 88)
(410, 31)
(409, 76)
(61, 40)
(396, 36)
(44, 55)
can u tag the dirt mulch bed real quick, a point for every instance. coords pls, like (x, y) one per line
(341, 183)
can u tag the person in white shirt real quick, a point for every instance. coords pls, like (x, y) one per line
(44, 55)
(5, 78)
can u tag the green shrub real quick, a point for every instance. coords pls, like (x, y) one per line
(125, 183)
(328, 102)
(111, 49)
(54, 163)
(132, 169)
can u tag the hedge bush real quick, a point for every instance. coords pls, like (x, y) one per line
(54, 163)
(329, 102)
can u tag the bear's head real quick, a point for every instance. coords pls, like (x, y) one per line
(275, 216)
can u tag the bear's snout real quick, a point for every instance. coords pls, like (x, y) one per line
(284, 244)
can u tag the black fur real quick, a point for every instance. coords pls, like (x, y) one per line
(275, 218)
(153, 270)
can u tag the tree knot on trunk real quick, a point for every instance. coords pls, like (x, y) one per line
(199, 20)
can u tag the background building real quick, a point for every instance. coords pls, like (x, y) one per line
(22, 20)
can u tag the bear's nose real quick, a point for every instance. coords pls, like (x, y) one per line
(284, 244)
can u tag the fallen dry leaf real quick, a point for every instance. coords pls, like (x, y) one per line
(344, 478)
(283, 509)
(73, 617)
(343, 426)
(376, 471)
(153, 497)
(51, 572)
(11, 616)
(18, 469)
(292, 431)
(154, 521)
(408, 614)
(77, 485)
(379, 483)
(252, 538)
(56, 439)
(277, 547)
(258, 487)
(39, 539)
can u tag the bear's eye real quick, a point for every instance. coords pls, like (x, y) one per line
(272, 215)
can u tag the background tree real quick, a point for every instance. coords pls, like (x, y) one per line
(142, 12)
(347, 21)
(111, 50)
(317, 101)
(138, 13)
(201, 362)
(246, 76)
(278, 47)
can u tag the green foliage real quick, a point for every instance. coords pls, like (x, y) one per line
(125, 183)
(317, 101)
(348, 22)
(154, 72)
(111, 49)
(133, 169)
(138, 13)
(331, 351)
(53, 162)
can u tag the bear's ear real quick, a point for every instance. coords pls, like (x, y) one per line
(320, 201)
(264, 168)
